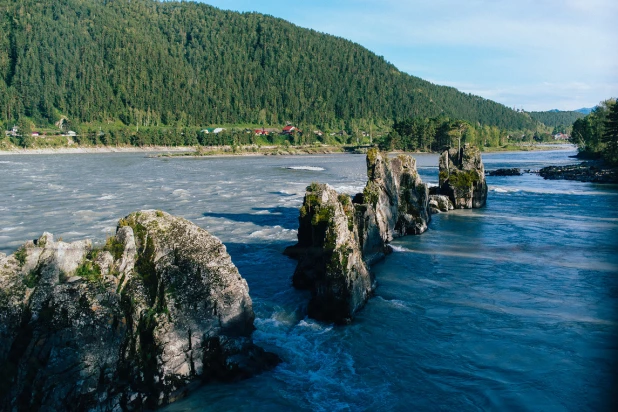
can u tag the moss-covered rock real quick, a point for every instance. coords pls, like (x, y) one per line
(462, 177)
(128, 327)
(338, 238)
(329, 254)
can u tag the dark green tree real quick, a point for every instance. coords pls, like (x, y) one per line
(610, 135)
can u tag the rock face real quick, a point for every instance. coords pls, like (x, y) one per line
(339, 239)
(397, 194)
(330, 263)
(462, 177)
(128, 327)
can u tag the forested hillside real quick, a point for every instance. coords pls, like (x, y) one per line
(596, 134)
(557, 118)
(149, 63)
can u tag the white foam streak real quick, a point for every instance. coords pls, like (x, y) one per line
(309, 168)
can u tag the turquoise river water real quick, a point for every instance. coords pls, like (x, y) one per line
(510, 307)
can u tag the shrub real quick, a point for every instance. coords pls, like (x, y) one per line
(88, 271)
(21, 256)
(113, 246)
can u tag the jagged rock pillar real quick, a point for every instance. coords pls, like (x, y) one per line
(338, 239)
(462, 177)
(330, 263)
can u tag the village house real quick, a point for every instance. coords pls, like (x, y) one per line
(561, 136)
(288, 130)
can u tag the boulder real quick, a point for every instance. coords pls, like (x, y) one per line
(439, 203)
(462, 177)
(130, 326)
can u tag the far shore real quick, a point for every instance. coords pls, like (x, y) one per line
(190, 151)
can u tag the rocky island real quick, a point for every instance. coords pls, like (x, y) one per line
(462, 177)
(339, 237)
(130, 326)
(592, 171)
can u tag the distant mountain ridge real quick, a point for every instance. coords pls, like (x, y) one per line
(145, 62)
(585, 110)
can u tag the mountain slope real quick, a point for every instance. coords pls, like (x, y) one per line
(148, 63)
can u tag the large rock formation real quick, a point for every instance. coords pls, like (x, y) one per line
(462, 177)
(339, 239)
(330, 263)
(130, 326)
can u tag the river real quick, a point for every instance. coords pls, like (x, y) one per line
(509, 307)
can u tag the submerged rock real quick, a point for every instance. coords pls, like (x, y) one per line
(132, 326)
(462, 177)
(338, 239)
(505, 172)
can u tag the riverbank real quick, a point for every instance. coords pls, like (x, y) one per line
(192, 151)
(529, 147)
(265, 151)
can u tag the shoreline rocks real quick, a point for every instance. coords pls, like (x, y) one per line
(131, 326)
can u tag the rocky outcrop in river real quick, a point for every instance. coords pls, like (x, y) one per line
(462, 177)
(505, 172)
(129, 326)
(338, 239)
(595, 172)
(331, 263)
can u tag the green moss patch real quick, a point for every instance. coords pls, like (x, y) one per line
(21, 256)
(463, 179)
(114, 246)
(89, 271)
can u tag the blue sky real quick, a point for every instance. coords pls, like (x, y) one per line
(530, 54)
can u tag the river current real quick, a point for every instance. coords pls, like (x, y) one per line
(509, 307)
